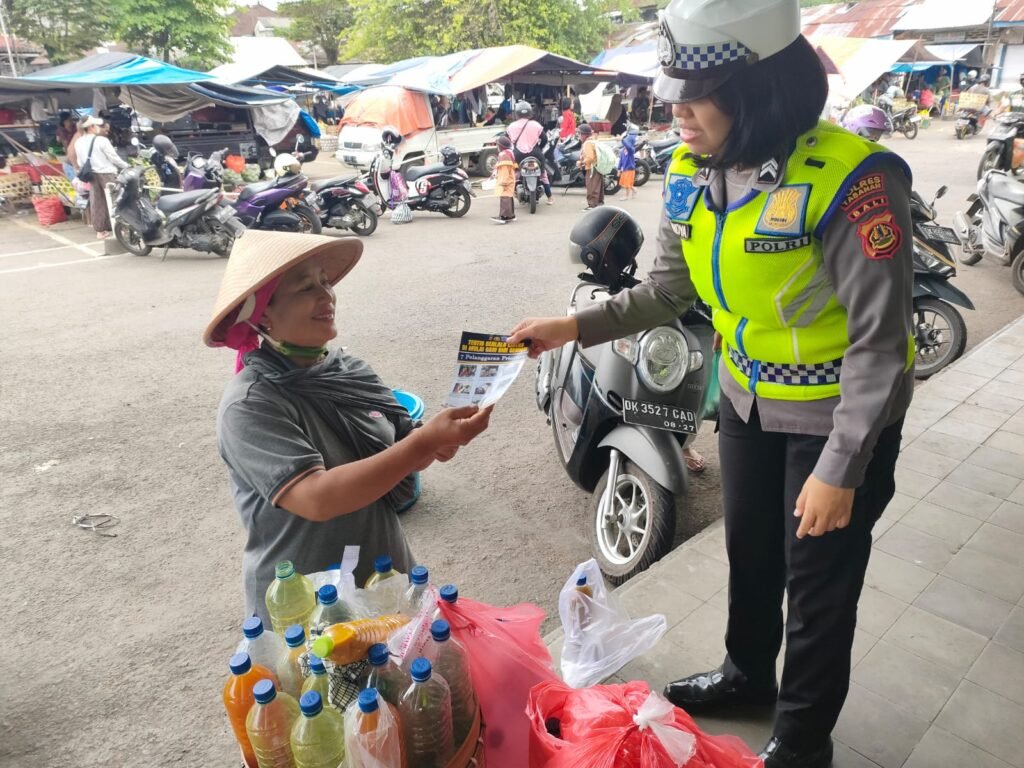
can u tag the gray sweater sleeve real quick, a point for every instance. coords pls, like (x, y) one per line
(873, 279)
(665, 295)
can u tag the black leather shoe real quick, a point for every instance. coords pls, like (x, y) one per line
(778, 755)
(710, 690)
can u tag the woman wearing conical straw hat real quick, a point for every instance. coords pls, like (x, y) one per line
(318, 451)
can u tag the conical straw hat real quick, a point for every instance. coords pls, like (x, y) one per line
(258, 257)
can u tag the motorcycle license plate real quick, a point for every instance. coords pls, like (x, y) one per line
(942, 234)
(659, 416)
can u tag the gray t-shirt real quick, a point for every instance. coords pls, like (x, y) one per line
(267, 440)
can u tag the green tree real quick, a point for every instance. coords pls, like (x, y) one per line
(389, 30)
(195, 32)
(64, 28)
(321, 22)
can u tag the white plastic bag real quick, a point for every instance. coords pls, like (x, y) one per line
(380, 748)
(600, 638)
(658, 714)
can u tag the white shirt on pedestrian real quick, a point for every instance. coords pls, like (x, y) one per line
(104, 157)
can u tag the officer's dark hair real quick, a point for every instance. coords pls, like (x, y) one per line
(771, 104)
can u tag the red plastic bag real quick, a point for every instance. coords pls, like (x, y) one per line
(49, 209)
(507, 657)
(595, 728)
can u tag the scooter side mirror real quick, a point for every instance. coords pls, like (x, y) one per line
(941, 191)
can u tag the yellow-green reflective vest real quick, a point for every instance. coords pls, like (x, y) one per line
(759, 264)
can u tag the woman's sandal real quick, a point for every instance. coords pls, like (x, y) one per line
(694, 461)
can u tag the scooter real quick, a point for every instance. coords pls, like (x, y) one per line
(904, 120)
(993, 224)
(528, 182)
(999, 154)
(620, 412)
(564, 171)
(344, 203)
(968, 123)
(940, 333)
(200, 220)
(441, 187)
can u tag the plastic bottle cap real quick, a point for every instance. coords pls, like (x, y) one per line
(240, 663)
(322, 646)
(419, 575)
(382, 564)
(327, 594)
(295, 636)
(420, 670)
(252, 627)
(581, 581)
(449, 593)
(264, 691)
(284, 569)
(311, 703)
(316, 665)
(368, 700)
(440, 630)
(379, 654)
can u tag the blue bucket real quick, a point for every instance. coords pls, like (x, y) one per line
(414, 405)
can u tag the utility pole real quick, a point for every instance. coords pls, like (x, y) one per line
(7, 41)
(989, 56)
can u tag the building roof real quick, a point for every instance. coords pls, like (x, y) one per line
(866, 18)
(245, 19)
(1010, 12)
(945, 14)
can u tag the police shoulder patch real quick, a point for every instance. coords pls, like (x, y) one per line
(784, 211)
(880, 236)
(866, 186)
(681, 196)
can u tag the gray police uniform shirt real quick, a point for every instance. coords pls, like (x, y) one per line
(268, 441)
(875, 388)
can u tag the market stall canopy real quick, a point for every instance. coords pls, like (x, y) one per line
(968, 54)
(277, 76)
(860, 61)
(161, 91)
(381, 105)
(639, 59)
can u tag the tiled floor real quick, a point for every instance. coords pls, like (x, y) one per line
(938, 676)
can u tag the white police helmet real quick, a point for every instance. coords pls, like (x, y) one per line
(702, 43)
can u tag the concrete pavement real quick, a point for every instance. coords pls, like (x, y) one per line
(938, 676)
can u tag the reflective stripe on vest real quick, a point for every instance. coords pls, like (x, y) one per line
(759, 264)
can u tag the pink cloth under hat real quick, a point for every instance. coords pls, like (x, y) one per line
(242, 334)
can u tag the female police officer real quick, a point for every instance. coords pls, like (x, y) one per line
(798, 235)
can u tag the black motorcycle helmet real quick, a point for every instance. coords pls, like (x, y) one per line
(390, 136)
(524, 110)
(165, 146)
(606, 241)
(450, 156)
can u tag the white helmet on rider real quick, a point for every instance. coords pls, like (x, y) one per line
(286, 164)
(702, 43)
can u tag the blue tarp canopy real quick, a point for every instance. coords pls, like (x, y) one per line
(119, 69)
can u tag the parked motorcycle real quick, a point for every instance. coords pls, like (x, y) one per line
(442, 187)
(344, 203)
(163, 156)
(903, 120)
(528, 182)
(200, 220)
(940, 333)
(999, 152)
(619, 412)
(992, 224)
(658, 154)
(968, 123)
(565, 171)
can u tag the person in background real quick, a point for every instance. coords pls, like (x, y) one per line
(529, 139)
(79, 133)
(588, 162)
(641, 107)
(942, 88)
(505, 176)
(568, 127)
(442, 112)
(927, 98)
(627, 164)
(490, 116)
(105, 163)
(66, 130)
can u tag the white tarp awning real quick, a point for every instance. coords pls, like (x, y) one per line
(951, 51)
(945, 14)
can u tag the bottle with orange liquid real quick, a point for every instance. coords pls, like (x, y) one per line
(239, 698)
(373, 733)
(350, 642)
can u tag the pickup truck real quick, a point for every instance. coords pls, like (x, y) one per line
(358, 144)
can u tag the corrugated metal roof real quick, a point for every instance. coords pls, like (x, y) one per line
(1010, 12)
(946, 14)
(867, 18)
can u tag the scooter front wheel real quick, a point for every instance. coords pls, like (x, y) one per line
(940, 336)
(635, 526)
(310, 219)
(130, 239)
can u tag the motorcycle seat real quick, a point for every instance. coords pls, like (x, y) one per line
(337, 181)
(179, 200)
(250, 190)
(425, 170)
(1006, 188)
(663, 143)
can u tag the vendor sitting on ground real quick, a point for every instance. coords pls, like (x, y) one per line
(319, 453)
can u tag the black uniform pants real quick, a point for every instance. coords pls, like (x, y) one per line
(762, 476)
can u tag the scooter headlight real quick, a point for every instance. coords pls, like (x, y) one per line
(663, 359)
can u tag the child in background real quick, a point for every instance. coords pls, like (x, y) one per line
(505, 177)
(588, 162)
(627, 165)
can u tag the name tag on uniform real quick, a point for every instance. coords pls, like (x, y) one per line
(682, 230)
(754, 245)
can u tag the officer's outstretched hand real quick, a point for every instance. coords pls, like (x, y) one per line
(543, 333)
(822, 508)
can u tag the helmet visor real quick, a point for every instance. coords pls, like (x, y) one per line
(672, 90)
